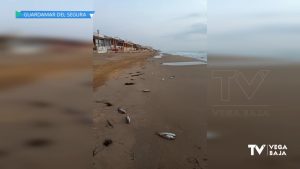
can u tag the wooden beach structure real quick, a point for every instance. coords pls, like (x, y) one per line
(107, 44)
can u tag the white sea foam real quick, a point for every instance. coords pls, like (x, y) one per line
(184, 63)
(158, 56)
(199, 55)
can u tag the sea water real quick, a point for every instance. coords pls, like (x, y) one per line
(184, 63)
(199, 55)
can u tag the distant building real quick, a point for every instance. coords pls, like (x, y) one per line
(106, 44)
(101, 43)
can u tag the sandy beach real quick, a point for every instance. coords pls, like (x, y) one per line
(45, 101)
(270, 116)
(175, 102)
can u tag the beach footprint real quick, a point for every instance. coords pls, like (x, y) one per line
(3, 153)
(38, 142)
(40, 104)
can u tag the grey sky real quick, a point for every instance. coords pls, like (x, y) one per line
(239, 27)
(169, 25)
(254, 27)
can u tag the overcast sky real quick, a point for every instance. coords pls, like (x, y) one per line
(169, 25)
(254, 27)
(239, 27)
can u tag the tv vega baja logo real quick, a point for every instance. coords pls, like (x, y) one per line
(268, 149)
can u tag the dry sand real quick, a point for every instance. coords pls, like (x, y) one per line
(173, 104)
(18, 70)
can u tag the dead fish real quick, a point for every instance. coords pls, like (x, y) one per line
(108, 104)
(129, 84)
(95, 152)
(146, 90)
(167, 135)
(121, 110)
(109, 124)
(137, 74)
(107, 142)
(128, 120)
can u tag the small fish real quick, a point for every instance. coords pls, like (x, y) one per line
(121, 110)
(108, 104)
(167, 135)
(95, 151)
(172, 77)
(128, 120)
(109, 124)
(138, 74)
(146, 90)
(129, 84)
(107, 142)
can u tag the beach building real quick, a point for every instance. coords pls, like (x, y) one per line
(106, 44)
(128, 46)
(102, 43)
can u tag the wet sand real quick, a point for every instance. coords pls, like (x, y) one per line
(106, 65)
(176, 103)
(45, 101)
(271, 116)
